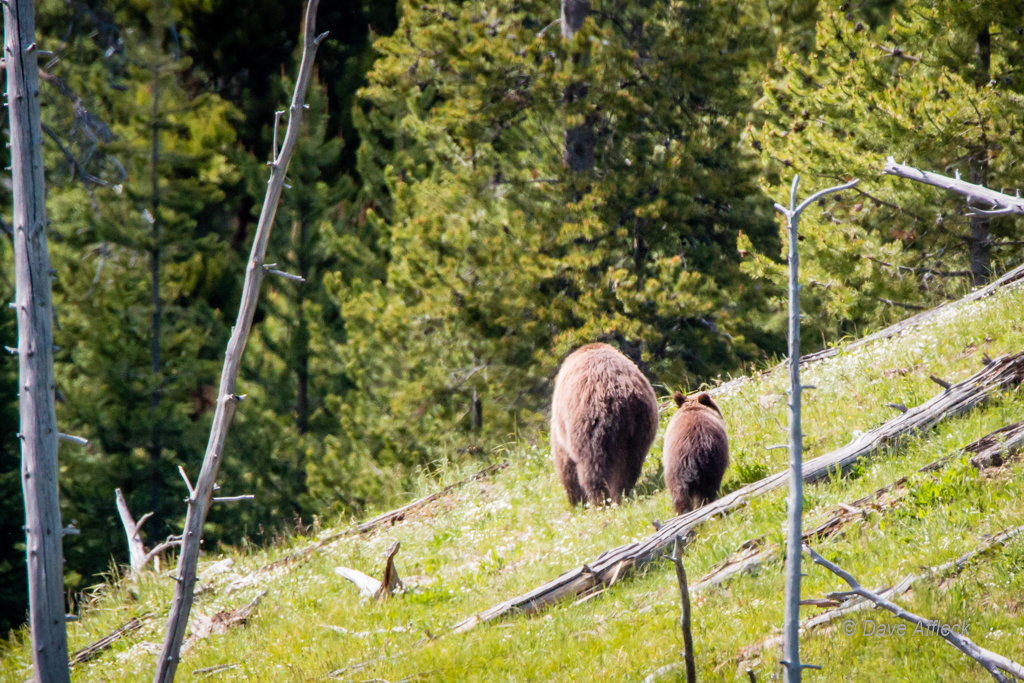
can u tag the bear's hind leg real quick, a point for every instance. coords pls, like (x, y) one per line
(596, 487)
(568, 475)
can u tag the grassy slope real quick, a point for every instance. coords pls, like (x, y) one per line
(503, 536)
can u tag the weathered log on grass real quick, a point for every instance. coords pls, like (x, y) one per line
(987, 451)
(104, 643)
(369, 525)
(1003, 372)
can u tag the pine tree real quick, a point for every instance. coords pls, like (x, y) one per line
(934, 85)
(141, 264)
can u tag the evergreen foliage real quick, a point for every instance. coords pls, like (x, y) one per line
(450, 256)
(936, 85)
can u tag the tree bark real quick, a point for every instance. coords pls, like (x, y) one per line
(579, 140)
(795, 503)
(39, 470)
(201, 498)
(574, 13)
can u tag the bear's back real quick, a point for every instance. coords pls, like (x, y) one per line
(601, 399)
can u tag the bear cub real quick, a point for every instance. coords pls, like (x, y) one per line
(695, 453)
(604, 417)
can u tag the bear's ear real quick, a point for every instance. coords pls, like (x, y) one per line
(706, 400)
(678, 398)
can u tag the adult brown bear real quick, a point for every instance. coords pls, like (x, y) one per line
(695, 453)
(604, 417)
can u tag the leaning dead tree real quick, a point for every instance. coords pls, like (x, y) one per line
(795, 505)
(43, 529)
(616, 563)
(201, 497)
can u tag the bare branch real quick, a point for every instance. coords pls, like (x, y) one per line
(896, 52)
(910, 269)
(233, 499)
(281, 273)
(191, 491)
(899, 304)
(684, 618)
(992, 662)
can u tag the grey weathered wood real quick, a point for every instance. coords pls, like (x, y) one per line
(104, 643)
(574, 13)
(795, 504)
(858, 604)
(39, 471)
(987, 451)
(1001, 203)
(1005, 371)
(992, 662)
(578, 154)
(685, 615)
(136, 551)
(200, 500)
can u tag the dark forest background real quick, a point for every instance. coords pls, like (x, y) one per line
(454, 250)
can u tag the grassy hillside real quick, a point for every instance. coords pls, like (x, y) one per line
(504, 535)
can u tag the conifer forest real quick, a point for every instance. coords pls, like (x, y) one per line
(469, 192)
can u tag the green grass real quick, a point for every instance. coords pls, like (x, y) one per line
(505, 535)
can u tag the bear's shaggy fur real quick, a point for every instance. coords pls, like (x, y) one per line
(604, 417)
(695, 453)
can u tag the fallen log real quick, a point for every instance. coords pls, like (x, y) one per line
(617, 562)
(1009, 278)
(224, 620)
(104, 643)
(987, 451)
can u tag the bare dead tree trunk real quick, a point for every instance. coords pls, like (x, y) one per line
(685, 615)
(477, 410)
(574, 13)
(201, 497)
(579, 140)
(43, 529)
(791, 626)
